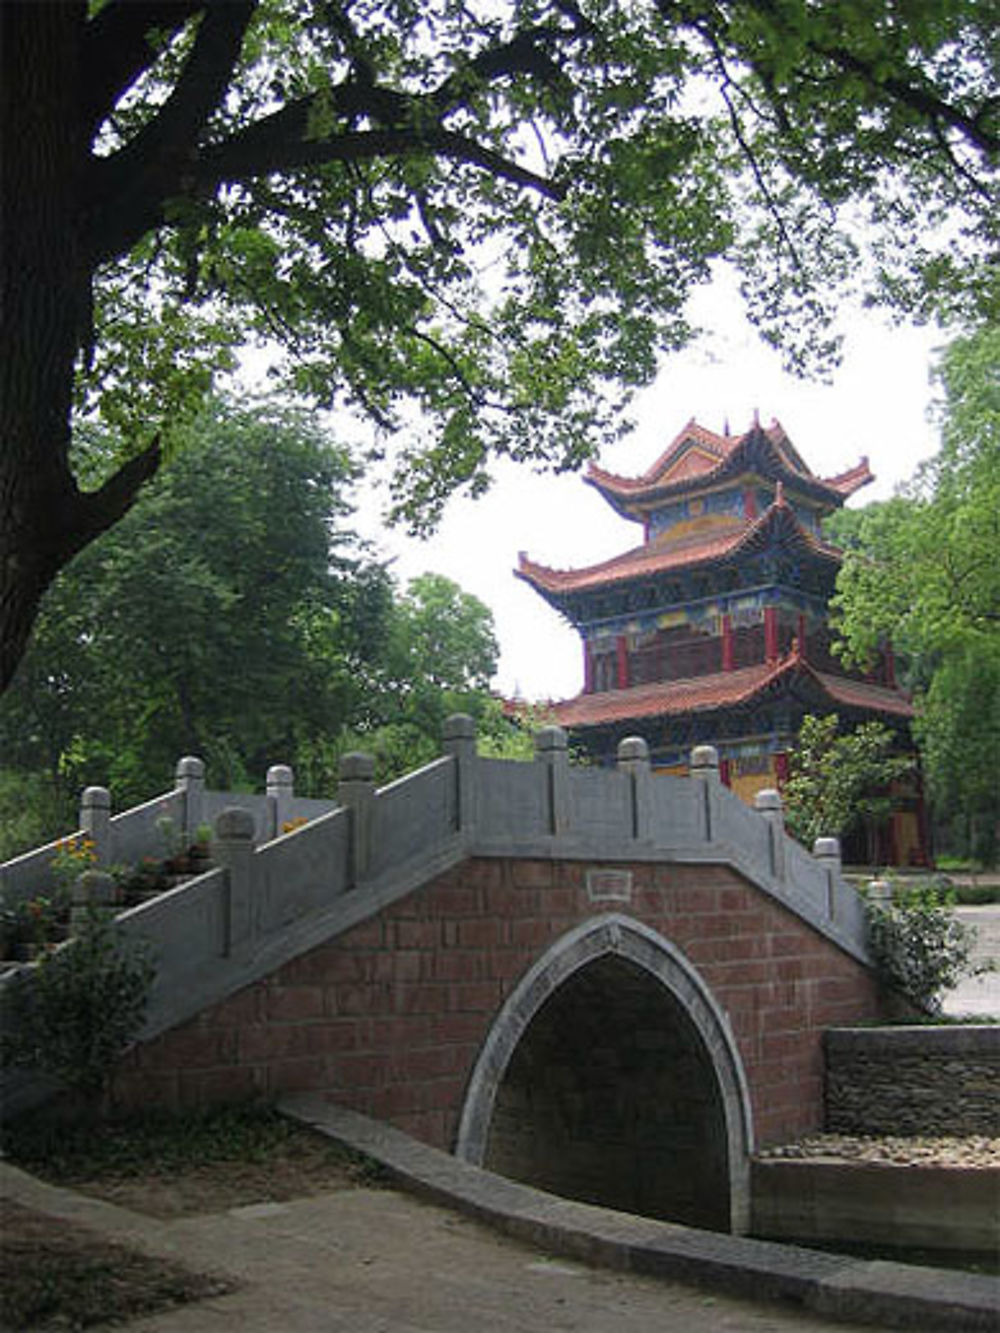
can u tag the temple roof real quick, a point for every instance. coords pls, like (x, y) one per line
(698, 458)
(728, 539)
(726, 689)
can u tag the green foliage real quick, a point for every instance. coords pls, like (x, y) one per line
(233, 614)
(34, 809)
(922, 570)
(74, 1013)
(486, 218)
(836, 778)
(148, 1142)
(919, 945)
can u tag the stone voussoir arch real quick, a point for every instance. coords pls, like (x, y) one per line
(619, 936)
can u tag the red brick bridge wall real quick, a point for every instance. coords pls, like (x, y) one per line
(389, 1017)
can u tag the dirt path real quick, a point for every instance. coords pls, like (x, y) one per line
(376, 1261)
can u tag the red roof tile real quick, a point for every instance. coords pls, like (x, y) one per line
(663, 555)
(726, 689)
(698, 454)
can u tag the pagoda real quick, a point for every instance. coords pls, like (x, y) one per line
(715, 629)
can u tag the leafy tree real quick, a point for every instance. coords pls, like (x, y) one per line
(75, 1014)
(922, 570)
(234, 615)
(231, 613)
(920, 946)
(439, 655)
(492, 211)
(837, 779)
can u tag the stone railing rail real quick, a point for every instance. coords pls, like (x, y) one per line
(271, 895)
(127, 837)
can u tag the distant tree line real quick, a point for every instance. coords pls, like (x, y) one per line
(235, 614)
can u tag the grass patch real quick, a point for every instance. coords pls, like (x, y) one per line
(57, 1274)
(173, 1164)
(149, 1141)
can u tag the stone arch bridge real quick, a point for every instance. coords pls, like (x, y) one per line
(610, 984)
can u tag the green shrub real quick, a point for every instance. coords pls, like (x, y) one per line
(74, 1013)
(919, 945)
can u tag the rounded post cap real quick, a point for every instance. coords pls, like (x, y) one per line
(459, 727)
(767, 800)
(548, 739)
(280, 775)
(704, 757)
(190, 766)
(827, 849)
(356, 766)
(632, 748)
(234, 824)
(96, 798)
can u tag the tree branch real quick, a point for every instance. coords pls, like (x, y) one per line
(101, 509)
(117, 49)
(150, 167)
(242, 158)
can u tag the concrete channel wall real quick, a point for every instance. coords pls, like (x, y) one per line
(913, 1080)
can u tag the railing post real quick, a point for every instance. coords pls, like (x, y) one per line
(879, 891)
(189, 777)
(703, 766)
(827, 853)
(768, 804)
(356, 791)
(232, 848)
(633, 760)
(281, 791)
(552, 749)
(459, 740)
(95, 822)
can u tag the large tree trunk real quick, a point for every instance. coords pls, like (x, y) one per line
(44, 299)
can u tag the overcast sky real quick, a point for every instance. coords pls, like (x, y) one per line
(876, 405)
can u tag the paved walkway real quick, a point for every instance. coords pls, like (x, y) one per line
(979, 996)
(377, 1261)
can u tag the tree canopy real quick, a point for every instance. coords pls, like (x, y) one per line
(838, 779)
(492, 212)
(922, 569)
(234, 614)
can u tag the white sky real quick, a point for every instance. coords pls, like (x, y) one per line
(876, 405)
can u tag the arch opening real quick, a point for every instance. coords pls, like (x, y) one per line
(610, 1077)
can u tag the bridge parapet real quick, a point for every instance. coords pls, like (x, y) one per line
(268, 901)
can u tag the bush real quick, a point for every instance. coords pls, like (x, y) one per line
(919, 945)
(76, 1012)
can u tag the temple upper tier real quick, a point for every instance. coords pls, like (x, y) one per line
(715, 628)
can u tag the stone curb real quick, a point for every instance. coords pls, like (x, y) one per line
(895, 1295)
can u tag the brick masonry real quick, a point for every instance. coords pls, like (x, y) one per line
(388, 1017)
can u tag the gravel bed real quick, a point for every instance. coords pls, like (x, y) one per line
(974, 1151)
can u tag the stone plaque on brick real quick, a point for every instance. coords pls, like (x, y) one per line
(609, 885)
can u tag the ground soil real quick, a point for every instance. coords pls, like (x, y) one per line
(306, 1164)
(55, 1274)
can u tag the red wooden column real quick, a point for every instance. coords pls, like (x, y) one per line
(890, 665)
(727, 643)
(770, 633)
(621, 663)
(588, 669)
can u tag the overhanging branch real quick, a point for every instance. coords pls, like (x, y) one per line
(242, 159)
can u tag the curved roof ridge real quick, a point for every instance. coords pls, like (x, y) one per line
(668, 475)
(653, 557)
(852, 479)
